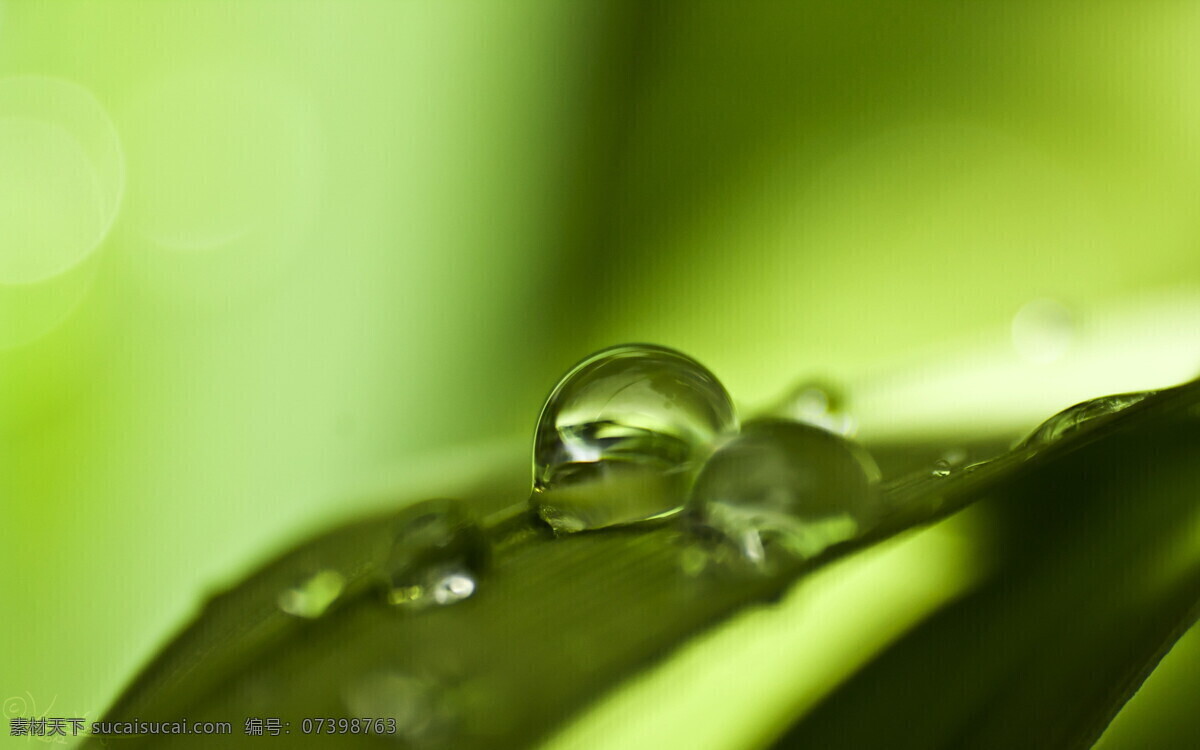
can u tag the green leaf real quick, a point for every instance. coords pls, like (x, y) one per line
(1095, 573)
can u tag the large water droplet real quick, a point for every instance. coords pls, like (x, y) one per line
(784, 490)
(436, 557)
(312, 596)
(622, 435)
(1075, 417)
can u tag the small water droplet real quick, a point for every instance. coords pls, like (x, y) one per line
(418, 706)
(952, 460)
(312, 596)
(621, 436)
(1073, 418)
(784, 490)
(436, 557)
(1043, 331)
(955, 457)
(693, 560)
(817, 403)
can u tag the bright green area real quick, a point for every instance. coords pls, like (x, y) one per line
(259, 261)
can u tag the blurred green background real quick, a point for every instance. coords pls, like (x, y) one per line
(264, 264)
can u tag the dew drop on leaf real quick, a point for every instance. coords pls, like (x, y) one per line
(436, 558)
(955, 457)
(312, 596)
(621, 437)
(1075, 417)
(783, 490)
(941, 468)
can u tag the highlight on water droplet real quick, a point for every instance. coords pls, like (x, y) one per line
(941, 468)
(436, 557)
(311, 597)
(1043, 330)
(621, 436)
(783, 491)
(1076, 417)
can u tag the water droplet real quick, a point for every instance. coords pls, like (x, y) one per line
(1043, 331)
(1076, 417)
(941, 468)
(784, 490)
(955, 457)
(312, 596)
(693, 560)
(621, 436)
(436, 557)
(418, 705)
(817, 403)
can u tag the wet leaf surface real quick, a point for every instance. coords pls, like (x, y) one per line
(1097, 572)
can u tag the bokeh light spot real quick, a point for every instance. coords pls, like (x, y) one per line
(1043, 331)
(222, 178)
(61, 177)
